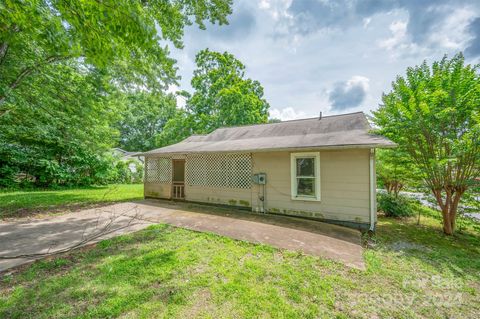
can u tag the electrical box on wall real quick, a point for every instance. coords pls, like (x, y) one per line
(260, 178)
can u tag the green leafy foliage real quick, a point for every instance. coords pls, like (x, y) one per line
(433, 114)
(472, 198)
(176, 129)
(58, 128)
(395, 170)
(67, 73)
(223, 96)
(395, 205)
(121, 36)
(144, 117)
(127, 172)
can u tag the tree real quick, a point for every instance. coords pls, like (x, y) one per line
(58, 127)
(434, 114)
(223, 96)
(144, 117)
(63, 65)
(394, 170)
(274, 120)
(121, 35)
(176, 129)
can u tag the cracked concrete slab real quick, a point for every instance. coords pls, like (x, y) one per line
(28, 238)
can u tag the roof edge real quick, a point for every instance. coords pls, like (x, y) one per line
(282, 149)
(287, 121)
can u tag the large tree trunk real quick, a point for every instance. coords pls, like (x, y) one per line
(449, 207)
(448, 226)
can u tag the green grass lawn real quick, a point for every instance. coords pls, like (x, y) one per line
(167, 272)
(22, 203)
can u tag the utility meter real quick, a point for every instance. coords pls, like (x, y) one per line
(260, 178)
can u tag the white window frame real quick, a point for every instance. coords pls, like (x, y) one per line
(293, 175)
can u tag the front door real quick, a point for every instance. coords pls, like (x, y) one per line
(178, 185)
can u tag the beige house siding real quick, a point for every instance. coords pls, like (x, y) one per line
(157, 190)
(214, 195)
(344, 186)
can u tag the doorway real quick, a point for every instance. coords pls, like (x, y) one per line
(178, 179)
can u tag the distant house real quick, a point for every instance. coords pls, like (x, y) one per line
(321, 168)
(126, 156)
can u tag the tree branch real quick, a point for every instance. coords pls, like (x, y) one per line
(93, 237)
(3, 52)
(29, 70)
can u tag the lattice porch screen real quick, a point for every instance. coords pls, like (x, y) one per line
(232, 170)
(158, 170)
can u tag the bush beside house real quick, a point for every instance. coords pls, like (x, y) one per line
(395, 206)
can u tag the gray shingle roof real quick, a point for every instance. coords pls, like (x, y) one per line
(336, 131)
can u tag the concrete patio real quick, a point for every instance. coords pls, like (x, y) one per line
(27, 240)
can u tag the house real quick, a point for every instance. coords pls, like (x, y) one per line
(128, 157)
(321, 168)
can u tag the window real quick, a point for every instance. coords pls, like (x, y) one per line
(305, 172)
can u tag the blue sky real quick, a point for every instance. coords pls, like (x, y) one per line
(337, 56)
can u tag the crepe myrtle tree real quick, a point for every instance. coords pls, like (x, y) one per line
(129, 38)
(433, 113)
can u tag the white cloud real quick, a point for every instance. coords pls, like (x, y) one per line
(399, 36)
(264, 4)
(172, 89)
(286, 114)
(181, 101)
(366, 22)
(362, 81)
(277, 9)
(448, 36)
(299, 71)
(452, 32)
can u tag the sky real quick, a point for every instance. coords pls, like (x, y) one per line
(334, 56)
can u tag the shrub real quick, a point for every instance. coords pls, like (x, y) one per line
(395, 206)
(137, 173)
(27, 168)
(126, 172)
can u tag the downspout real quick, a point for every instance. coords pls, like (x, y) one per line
(373, 190)
(264, 199)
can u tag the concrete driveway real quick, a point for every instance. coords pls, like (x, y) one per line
(27, 240)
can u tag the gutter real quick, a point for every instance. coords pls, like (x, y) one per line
(373, 190)
(281, 149)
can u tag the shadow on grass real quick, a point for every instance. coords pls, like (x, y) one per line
(426, 242)
(104, 281)
(18, 205)
(53, 189)
(22, 204)
(26, 237)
